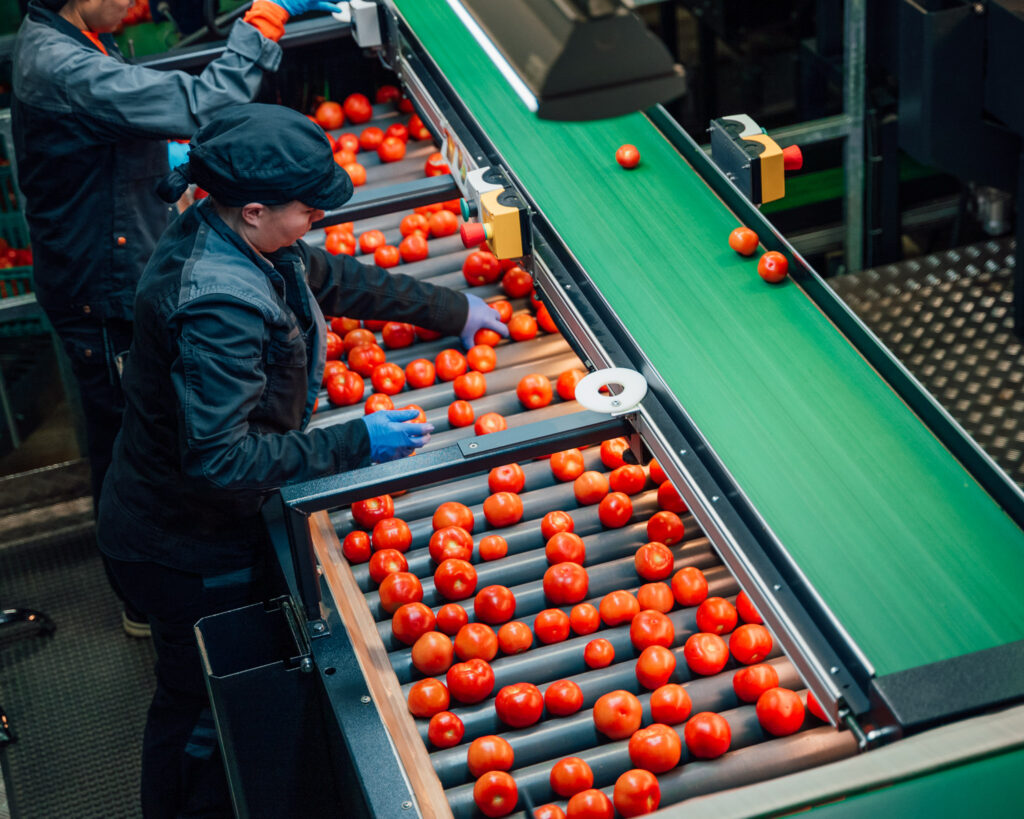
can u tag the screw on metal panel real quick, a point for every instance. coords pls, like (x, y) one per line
(365, 699)
(776, 587)
(318, 627)
(473, 446)
(714, 498)
(616, 403)
(406, 805)
(833, 670)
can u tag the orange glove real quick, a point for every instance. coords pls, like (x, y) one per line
(268, 18)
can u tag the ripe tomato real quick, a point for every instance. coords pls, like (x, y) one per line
(670, 704)
(385, 562)
(522, 327)
(398, 588)
(370, 138)
(420, 373)
(414, 248)
(450, 542)
(636, 793)
(503, 509)
(450, 364)
(391, 533)
(554, 522)
(471, 681)
(519, 704)
(428, 697)
(455, 579)
(617, 714)
(707, 735)
(489, 422)
(411, 621)
(549, 811)
(495, 793)
(551, 625)
(432, 653)
(815, 707)
(343, 157)
(435, 165)
(780, 711)
(508, 478)
(651, 628)
(670, 499)
(356, 172)
(571, 775)
(615, 510)
(657, 473)
(487, 338)
(590, 487)
(377, 402)
(562, 698)
(547, 324)
(332, 368)
(451, 617)
(565, 584)
(453, 513)
(397, 334)
(481, 267)
(716, 615)
(371, 240)
(618, 607)
(565, 547)
(665, 527)
(744, 241)
(627, 156)
(476, 641)
(417, 130)
(656, 748)
(489, 753)
(503, 307)
(445, 730)
(590, 804)
(443, 223)
(357, 108)
(329, 115)
(689, 586)
(534, 391)
(514, 637)
(335, 347)
(347, 142)
(356, 547)
(773, 266)
(391, 149)
(461, 414)
(567, 465)
(346, 389)
(414, 223)
(599, 653)
(566, 384)
(494, 604)
(750, 643)
(705, 653)
(387, 93)
(654, 666)
(656, 596)
(629, 479)
(654, 561)
(584, 619)
(388, 378)
(419, 418)
(340, 242)
(482, 358)
(364, 358)
(470, 386)
(746, 610)
(516, 282)
(427, 335)
(612, 451)
(751, 682)
(492, 547)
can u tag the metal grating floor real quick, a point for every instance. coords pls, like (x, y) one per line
(948, 317)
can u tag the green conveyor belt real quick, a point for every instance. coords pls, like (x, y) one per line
(911, 554)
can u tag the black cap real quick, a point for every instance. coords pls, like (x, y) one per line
(262, 153)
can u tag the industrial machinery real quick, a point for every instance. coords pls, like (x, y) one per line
(882, 547)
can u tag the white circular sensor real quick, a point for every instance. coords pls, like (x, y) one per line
(626, 389)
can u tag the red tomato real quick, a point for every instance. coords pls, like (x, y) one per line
(476, 641)
(387, 93)
(450, 542)
(590, 804)
(417, 130)
(636, 793)
(773, 266)
(346, 389)
(590, 487)
(453, 513)
(716, 615)
(461, 414)
(371, 240)
(356, 547)
(547, 324)
(377, 402)
(751, 682)
(388, 378)
(503, 307)
(815, 707)
(489, 422)
(329, 115)
(411, 621)
(618, 607)
(391, 149)
(654, 666)
(565, 547)
(494, 604)
(419, 418)
(492, 547)
(516, 282)
(534, 391)
(455, 579)
(656, 596)
(627, 156)
(519, 704)
(599, 653)
(584, 619)
(549, 811)
(432, 653)
(503, 509)
(371, 138)
(435, 165)
(414, 223)
(750, 643)
(670, 704)
(615, 510)
(651, 628)
(445, 730)
(665, 527)
(562, 698)
(522, 327)
(670, 499)
(471, 681)
(565, 584)
(335, 347)
(487, 338)
(450, 364)
(428, 697)
(571, 775)
(705, 653)
(654, 561)
(567, 465)
(343, 157)
(617, 714)
(427, 335)
(612, 451)
(689, 586)
(357, 108)
(657, 473)
(656, 748)
(780, 711)
(551, 625)
(398, 588)
(495, 793)
(514, 638)
(443, 223)
(385, 562)
(566, 384)
(554, 522)
(470, 386)
(420, 373)
(332, 368)
(451, 617)
(508, 478)
(482, 358)
(707, 735)
(356, 172)
(413, 248)
(629, 479)
(481, 267)
(746, 609)
(744, 241)
(489, 753)
(364, 358)
(348, 142)
(339, 242)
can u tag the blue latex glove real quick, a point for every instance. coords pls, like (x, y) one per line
(391, 438)
(177, 153)
(481, 317)
(297, 7)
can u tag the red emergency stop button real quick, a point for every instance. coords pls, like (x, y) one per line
(473, 233)
(792, 158)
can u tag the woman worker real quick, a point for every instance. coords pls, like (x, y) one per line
(90, 136)
(224, 369)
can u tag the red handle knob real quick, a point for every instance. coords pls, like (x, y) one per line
(473, 233)
(792, 158)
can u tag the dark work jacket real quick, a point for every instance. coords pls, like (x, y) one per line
(90, 135)
(224, 368)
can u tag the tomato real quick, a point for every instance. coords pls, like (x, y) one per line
(750, 643)
(628, 478)
(705, 653)
(516, 282)
(432, 653)
(565, 584)
(656, 472)
(476, 640)
(571, 775)
(590, 487)
(377, 402)
(508, 478)
(388, 378)
(387, 93)
(519, 705)
(716, 615)
(670, 704)
(618, 607)
(489, 753)
(482, 358)
(746, 610)
(427, 335)
(656, 748)
(651, 628)
(386, 256)
(636, 793)
(385, 562)
(689, 586)
(627, 156)
(357, 337)
(371, 138)
(590, 804)
(339, 242)
(584, 619)
(751, 682)
(364, 358)
(428, 697)
(371, 240)
(443, 223)
(514, 637)
(391, 149)
(566, 383)
(485, 337)
(495, 793)
(492, 547)
(814, 706)
(551, 625)
(547, 324)
(471, 681)
(707, 735)
(445, 730)
(455, 579)
(553, 523)
(348, 142)
(453, 513)
(419, 373)
(565, 547)
(773, 267)
(461, 414)
(599, 653)
(470, 386)
(398, 588)
(665, 527)
(356, 547)
(417, 130)
(346, 389)
(534, 391)
(744, 241)
(356, 172)
(503, 307)
(503, 509)
(329, 115)
(450, 364)
(411, 621)
(435, 165)
(481, 267)
(332, 368)
(343, 157)
(562, 698)
(419, 418)
(450, 542)
(615, 510)
(567, 465)
(335, 347)
(780, 711)
(357, 108)
(494, 604)
(654, 561)
(451, 617)
(655, 596)
(654, 666)
(617, 714)
(612, 451)
(414, 248)
(522, 327)
(489, 422)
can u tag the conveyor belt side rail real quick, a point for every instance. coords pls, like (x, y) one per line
(401, 196)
